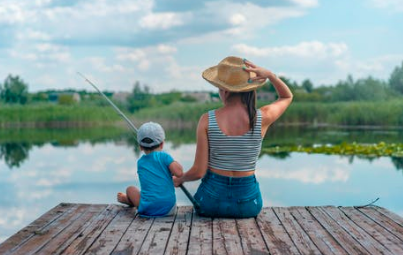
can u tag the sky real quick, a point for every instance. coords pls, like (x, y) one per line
(167, 44)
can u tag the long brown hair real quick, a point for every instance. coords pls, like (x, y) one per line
(249, 99)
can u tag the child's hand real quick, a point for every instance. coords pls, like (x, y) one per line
(177, 181)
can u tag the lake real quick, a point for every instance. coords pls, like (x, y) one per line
(42, 168)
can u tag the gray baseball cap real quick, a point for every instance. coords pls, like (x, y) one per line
(153, 131)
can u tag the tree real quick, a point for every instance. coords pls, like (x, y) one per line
(14, 90)
(307, 85)
(344, 90)
(396, 79)
(139, 98)
(370, 89)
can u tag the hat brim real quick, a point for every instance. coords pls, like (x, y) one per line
(211, 75)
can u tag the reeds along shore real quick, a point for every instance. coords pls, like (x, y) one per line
(384, 114)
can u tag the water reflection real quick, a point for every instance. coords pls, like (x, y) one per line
(14, 154)
(16, 144)
(41, 168)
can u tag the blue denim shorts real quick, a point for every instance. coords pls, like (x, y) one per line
(228, 197)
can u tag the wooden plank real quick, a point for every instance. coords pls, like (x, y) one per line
(179, 238)
(370, 244)
(113, 229)
(226, 238)
(338, 233)
(392, 243)
(274, 234)
(62, 240)
(301, 240)
(133, 239)
(36, 226)
(112, 234)
(251, 238)
(385, 222)
(322, 239)
(396, 218)
(200, 241)
(92, 231)
(156, 240)
(53, 229)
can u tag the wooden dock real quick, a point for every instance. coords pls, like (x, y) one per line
(114, 229)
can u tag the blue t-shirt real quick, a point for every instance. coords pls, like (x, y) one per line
(157, 188)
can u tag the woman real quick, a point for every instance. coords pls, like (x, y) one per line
(229, 140)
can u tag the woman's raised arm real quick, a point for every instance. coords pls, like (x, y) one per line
(273, 111)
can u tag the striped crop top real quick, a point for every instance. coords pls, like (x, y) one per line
(233, 153)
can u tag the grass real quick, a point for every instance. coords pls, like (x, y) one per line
(47, 113)
(388, 113)
(341, 113)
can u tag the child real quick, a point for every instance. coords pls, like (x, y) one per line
(155, 169)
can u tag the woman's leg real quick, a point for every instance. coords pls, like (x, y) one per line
(131, 198)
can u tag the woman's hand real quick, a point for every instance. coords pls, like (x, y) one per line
(261, 73)
(177, 181)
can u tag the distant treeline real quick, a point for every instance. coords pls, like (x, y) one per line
(15, 91)
(365, 101)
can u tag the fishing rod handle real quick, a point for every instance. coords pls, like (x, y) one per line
(190, 197)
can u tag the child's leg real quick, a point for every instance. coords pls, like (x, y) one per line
(131, 198)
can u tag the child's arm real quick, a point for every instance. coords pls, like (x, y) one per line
(176, 169)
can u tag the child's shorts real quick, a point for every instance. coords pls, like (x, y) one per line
(156, 209)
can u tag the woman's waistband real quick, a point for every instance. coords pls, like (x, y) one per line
(230, 180)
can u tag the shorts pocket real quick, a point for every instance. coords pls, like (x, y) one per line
(208, 203)
(250, 207)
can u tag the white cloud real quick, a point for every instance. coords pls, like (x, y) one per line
(306, 3)
(237, 19)
(161, 59)
(11, 13)
(244, 20)
(249, 17)
(99, 64)
(379, 67)
(30, 34)
(166, 49)
(322, 63)
(312, 49)
(41, 53)
(56, 38)
(130, 54)
(148, 57)
(163, 20)
(42, 2)
(392, 5)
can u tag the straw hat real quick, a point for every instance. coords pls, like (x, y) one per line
(230, 76)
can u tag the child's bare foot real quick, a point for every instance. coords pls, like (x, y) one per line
(122, 198)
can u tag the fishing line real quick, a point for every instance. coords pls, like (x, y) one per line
(134, 129)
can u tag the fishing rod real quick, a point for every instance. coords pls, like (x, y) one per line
(111, 103)
(134, 129)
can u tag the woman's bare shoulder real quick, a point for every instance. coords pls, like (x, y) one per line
(203, 121)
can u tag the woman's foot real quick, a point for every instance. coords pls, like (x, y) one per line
(122, 198)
